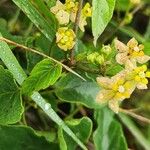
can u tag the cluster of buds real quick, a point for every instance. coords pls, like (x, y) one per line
(66, 13)
(122, 85)
(99, 58)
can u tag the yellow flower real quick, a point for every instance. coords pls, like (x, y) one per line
(60, 13)
(65, 12)
(132, 51)
(139, 75)
(68, 11)
(65, 38)
(114, 90)
(86, 12)
(71, 7)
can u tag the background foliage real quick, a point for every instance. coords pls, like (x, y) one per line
(45, 102)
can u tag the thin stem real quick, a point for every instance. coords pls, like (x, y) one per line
(134, 115)
(77, 21)
(42, 54)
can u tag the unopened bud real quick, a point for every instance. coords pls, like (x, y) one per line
(91, 57)
(100, 59)
(106, 49)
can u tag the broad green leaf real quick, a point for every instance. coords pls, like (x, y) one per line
(39, 21)
(14, 67)
(101, 15)
(44, 74)
(81, 127)
(10, 99)
(109, 134)
(23, 138)
(74, 90)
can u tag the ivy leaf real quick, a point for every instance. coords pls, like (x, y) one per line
(44, 74)
(108, 130)
(101, 15)
(72, 89)
(81, 127)
(11, 107)
(19, 138)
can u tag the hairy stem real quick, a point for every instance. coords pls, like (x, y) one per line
(42, 54)
(134, 115)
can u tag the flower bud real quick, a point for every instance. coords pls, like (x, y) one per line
(106, 49)
(100, 59)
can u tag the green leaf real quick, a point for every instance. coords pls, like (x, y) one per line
(135, 131)
(81, 127)
(113, 69)
(122, 5)
(39, 21)
(23, 138)
(101, 15)
(108, 130)
(10, 99)
(147, 48)
(14, 67)
(42, 44)
(74, 90)
(44, 74)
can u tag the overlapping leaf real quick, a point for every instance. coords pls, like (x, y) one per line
(101, 15)
(23, 138)
(72, 89)
(109, 134)
(10, 99)
(81, 127)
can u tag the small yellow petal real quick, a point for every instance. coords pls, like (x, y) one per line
(148, 74)
(137, 78)
(144, 68)
(141, 53)
(144, 81)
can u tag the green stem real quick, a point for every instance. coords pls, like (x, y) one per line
(14, 67)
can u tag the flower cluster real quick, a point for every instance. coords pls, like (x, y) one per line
(65, 38)
(122, 85)
(67, 12)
